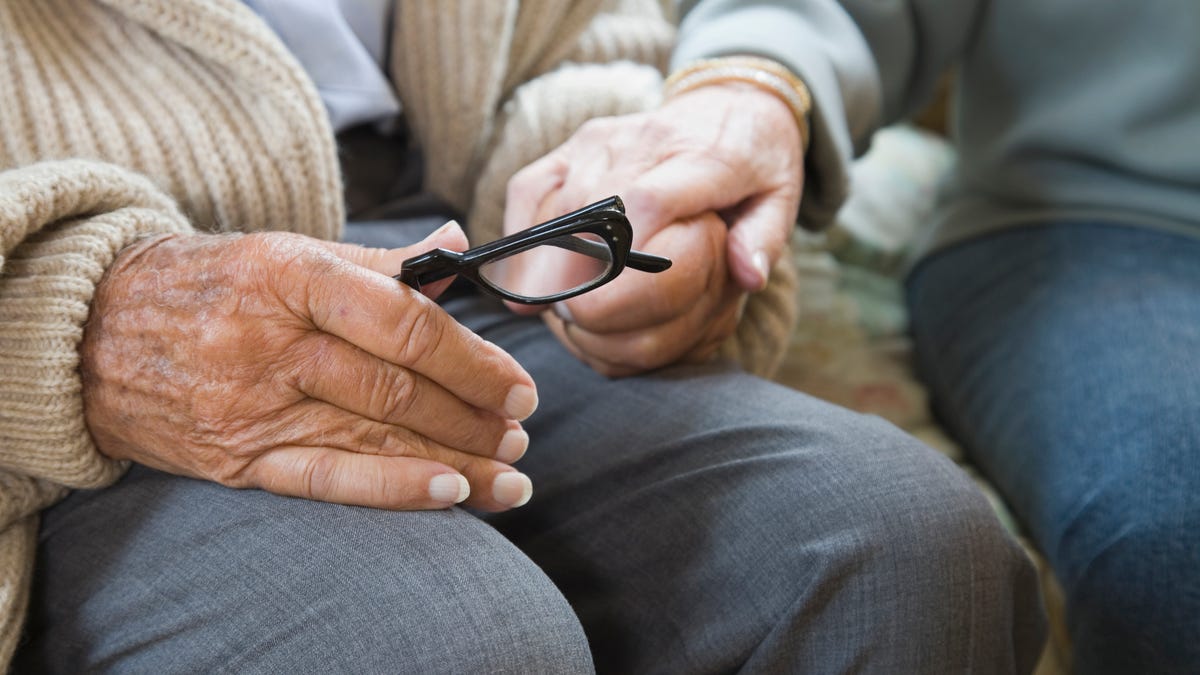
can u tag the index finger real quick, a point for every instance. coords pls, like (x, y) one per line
(397, 324)
(683, 186)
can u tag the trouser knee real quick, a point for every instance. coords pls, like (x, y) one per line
(942, 564)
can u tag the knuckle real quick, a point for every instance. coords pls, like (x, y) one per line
(645, 202)
(301, 360)
(396, 394)
(371, 439)
(319, 476)
(286, 265)
(421, 334)
(419, 446)
(651, 351)
(522, 181)
(233, 474)
(595, 128)
(492, 362)
(656, 130)
(223, 449)
(232, 345)
(406, 444)
(213, 418)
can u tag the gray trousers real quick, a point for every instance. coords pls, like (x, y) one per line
(696, 519)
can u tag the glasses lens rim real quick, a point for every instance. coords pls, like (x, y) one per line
(610, 263)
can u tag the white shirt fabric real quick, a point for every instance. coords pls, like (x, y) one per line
(342, 44)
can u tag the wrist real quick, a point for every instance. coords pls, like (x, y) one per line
(747, 102)
(764, 74)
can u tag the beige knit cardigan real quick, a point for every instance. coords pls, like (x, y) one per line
(122, 119)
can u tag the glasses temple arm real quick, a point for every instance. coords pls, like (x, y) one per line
(646, 262)
(643, 262)
(591, 249)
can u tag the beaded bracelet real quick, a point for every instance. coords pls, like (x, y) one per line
(762, 73)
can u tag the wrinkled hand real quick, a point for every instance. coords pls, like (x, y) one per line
(280, 362)
(730, 150)
(642, 321)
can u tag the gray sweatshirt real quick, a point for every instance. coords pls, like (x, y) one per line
(1064, 108)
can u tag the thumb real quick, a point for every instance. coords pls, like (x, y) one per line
(449, 236)
(389, 261)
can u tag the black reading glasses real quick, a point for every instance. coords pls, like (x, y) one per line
(553, 261)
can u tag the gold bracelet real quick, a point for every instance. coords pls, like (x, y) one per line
(765, 74)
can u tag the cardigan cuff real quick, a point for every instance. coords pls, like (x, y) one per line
(61, 225)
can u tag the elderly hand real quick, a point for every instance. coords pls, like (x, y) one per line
(729, 148)
(641, 321)
(280, 362)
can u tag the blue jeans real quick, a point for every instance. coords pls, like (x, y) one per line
(1066, 358)
(693, 520)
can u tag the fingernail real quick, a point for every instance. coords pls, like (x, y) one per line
(764, 268)
(446, 228)
(563, 312)
(449, 487)
(512, 446)
(512, 489)
(521, 402)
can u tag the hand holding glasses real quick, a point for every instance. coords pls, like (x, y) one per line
(553, 261)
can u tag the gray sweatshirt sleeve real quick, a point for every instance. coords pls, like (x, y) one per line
(866, 62)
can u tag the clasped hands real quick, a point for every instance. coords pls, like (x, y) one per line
(300, 367)
(711, 180)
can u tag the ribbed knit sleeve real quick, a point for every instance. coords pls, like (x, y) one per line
(198, 95)
(448, 66)
(458, 64)
(123, 119)
(61, 224)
